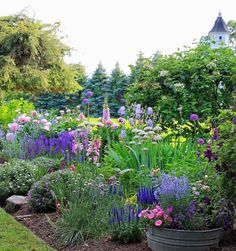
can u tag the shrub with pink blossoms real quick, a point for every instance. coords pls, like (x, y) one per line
(157, 216)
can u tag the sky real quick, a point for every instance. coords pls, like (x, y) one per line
(113, 31)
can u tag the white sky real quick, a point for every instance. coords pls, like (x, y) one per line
(116, 30)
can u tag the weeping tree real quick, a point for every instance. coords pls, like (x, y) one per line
(32, 57)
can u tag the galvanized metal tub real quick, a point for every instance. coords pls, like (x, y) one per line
(164, 239)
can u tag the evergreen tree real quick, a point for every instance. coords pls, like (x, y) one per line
(118, 83)
(100, 87)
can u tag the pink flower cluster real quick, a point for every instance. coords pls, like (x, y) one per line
(93, 150)
(23, 119)
(157, 216)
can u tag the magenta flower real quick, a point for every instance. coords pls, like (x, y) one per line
(234, 121)
(201, 141)
(194, 117)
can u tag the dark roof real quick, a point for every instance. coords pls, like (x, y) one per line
(219, 25)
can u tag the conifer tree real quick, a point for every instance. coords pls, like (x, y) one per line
(100, 87)
(118, 83)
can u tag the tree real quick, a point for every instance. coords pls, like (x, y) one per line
(199, 80)
(119, 83)
(32, 57)
(232, 27)
(100, 87)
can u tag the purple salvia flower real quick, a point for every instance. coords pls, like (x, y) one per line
(216, 134)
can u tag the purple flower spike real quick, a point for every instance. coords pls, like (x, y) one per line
(123, 134)
(150, 123)
(131, 121)
(234, 121)
(216, 134)
(194, 117)
(121, 111)
(89, 94)
(85, 101)
(150, 111)
(201, 141)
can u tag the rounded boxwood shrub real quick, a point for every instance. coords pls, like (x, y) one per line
(16, 177)
(42, 195)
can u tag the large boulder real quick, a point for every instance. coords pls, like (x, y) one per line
(14, 203)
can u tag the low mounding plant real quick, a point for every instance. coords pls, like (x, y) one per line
(44, 165)
(16, 177)
(125, 225)
(41, 196)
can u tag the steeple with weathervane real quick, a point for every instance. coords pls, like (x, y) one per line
(219, 34)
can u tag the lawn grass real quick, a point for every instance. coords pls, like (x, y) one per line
(16, 237)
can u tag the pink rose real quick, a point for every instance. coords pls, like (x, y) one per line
(158, 223)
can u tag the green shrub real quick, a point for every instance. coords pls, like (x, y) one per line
(42, 197)
(9, 110)
(16, 177)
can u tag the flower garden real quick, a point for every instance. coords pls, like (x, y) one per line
(117, 178)
(115, 163)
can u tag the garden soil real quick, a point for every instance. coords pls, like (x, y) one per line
(42, 226)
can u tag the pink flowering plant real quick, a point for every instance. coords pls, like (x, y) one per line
(157, 216)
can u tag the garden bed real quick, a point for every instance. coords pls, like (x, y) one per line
(39, 225)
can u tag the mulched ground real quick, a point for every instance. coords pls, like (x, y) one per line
(39, 224)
